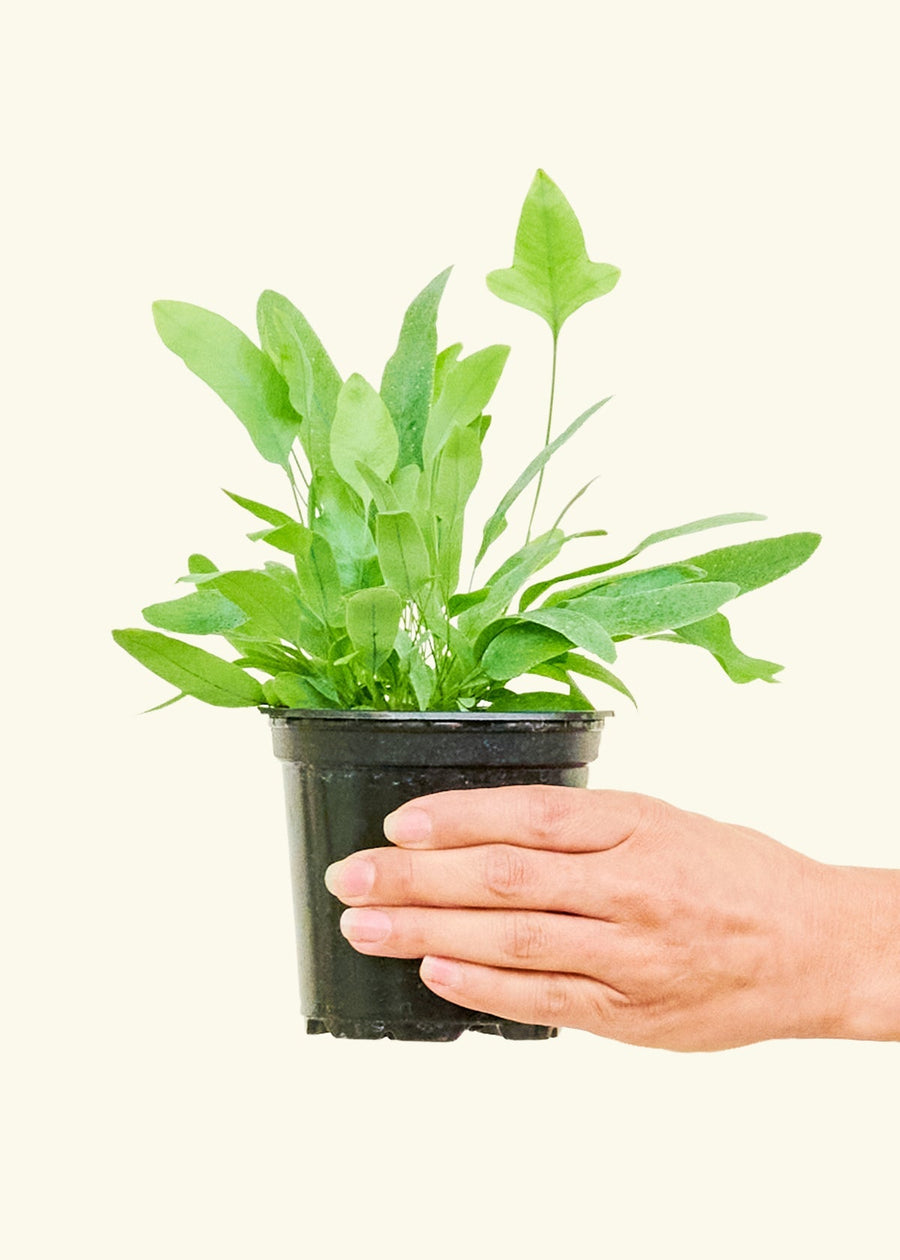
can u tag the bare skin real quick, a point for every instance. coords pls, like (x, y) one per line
(622, 915)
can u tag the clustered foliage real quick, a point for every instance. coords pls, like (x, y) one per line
(362, 608)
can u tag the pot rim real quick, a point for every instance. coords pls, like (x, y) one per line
(438, 716)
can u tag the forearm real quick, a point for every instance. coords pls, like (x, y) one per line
(861, 967)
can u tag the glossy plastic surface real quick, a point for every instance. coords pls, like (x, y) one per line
(343, 772)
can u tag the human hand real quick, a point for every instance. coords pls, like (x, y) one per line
(622, 915)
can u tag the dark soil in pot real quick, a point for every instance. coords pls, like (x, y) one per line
(343, 772)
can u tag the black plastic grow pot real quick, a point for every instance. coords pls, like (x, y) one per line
(343, 772)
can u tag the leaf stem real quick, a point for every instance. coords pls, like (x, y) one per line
(293, 482)
(300, 469)
(537, 493)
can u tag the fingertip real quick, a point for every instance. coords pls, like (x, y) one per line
(408, 825)
(440, 973)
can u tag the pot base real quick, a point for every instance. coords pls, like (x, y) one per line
(373, 1029)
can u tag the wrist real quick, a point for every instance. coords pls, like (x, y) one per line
(860, 948)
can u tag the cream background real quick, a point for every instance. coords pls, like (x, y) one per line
(739, 163)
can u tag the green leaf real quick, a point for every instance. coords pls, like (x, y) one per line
(319, 579)
(551, 272)
(755, 564)
(342, 522)
(313, 381)
(578, 626)
(287, 537)
(663, 535)
(198, 563)
(497, 522)
(273, 516)
(243, 377)
(516, 649)
(652, 611)
(458, 470)
(191, 669)
(651, 579)
(442, 364)
(581, 665)
(383, 493)
(165, 703)
(464, 600)
(405, 483)
(467, 390)
(481, 426)
(362, 432)
(402, 554)
(200, 568)
(714, 634)
(294, 691)
(271, 658)
(274, 613)
(205, 611)
(536, 702)
(503, 584)
(422, 678)
(408, 381)
(574, 499)
(373, 618)
(558, 674)
(694, 527)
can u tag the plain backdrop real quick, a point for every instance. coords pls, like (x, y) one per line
(738, 162)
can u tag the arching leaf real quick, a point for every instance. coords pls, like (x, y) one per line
(191, 669)
(408, 381)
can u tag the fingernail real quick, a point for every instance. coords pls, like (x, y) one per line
(370, 926)
(407, 825)
(442, 972)
(352, 877)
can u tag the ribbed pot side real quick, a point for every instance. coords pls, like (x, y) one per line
(343, 772)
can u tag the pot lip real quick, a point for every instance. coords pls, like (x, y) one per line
(438, 717)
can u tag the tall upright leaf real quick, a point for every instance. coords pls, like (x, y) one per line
(373, 618)
(319, 579)
(467, 390)
(442, 365)
(403, 555)
(408, 381)
(298, 354)
(362, 431)
(239, 372)
(341, 519)
(458, 469)
(551, 272)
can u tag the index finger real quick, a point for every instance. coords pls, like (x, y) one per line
(538, 816)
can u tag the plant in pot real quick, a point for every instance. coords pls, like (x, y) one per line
(382, 677)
